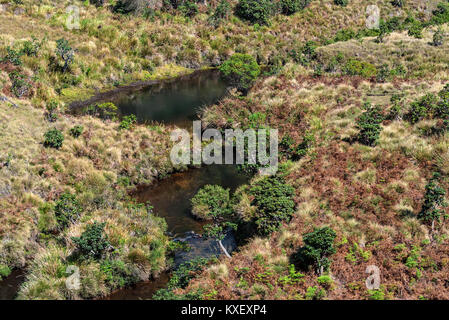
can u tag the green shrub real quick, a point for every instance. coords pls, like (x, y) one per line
(423, 108)
(441, 13)
(65, 52)
(52, 107)
(221, 13)
(383, 73)
(241, 70)
(128, 122)
(53, 138)
(31, 47)
(274, 201)
(118, 274)
(415, 30)
(93, 242)
(20, 86)
(398, 3)
(289, 7)
(209, 201)
(76, 131)
(369, 125)
(318, 246)
(434, 202)
(361, 68)
(342, 3)
(255, 11)
(4, 271)
(315, 293)
(188, 8)
(67, 210)
(12, 56)
(437, 39)
(105, 111)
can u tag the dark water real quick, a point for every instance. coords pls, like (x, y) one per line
(171, 197)
(174, 102)
(10, 285)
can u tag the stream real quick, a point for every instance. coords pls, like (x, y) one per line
(174, 102)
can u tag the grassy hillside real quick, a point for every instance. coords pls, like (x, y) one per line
(370, 195)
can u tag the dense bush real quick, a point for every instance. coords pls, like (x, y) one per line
(423, 108)
(105, 111)
(415, 30)
(65, 52)
(188, 8)
(437, 39)
(20, 86)
(180, 279)
(398, 3)
(221, 13)
(209, 201)
(255, 11)
(31, 47)
(369, 125)
(318, 246)
(241, 70)
(93, 242)
(53, 138)
(67, 210)
(52, 107)
(128, 122)
(361, 68)
(273, 199)
(342, 3)
(76, 131)
(434, 202)
(12, 56)
(118, 274)
(441, 13)
(289, 7)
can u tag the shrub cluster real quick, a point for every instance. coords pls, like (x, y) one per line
(93, 242)
(255, 11)
(369, 125)
(318, 246)
(53, 138)
(273, 199)
(67, 210)
(434, 202)
(210, 201)
(241, 70)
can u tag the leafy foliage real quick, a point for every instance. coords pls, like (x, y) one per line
(369, 125)
(318, 246)
(342, 3)
(289, 7)
(433, 201)
(274, 201)
(20, 86)
(67, 209)
(221, 13)
(255, 11)
(93, 242)
(53, 138)
(76, 131)
(65, 52)
(106, 110)
(241, 70)
(118, 273)
(128, 122)
(211, 201)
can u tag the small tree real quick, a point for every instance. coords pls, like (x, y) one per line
(289, 7)
(65, 52)
(342, 3)
(438, 38)
(52, 107)
(93, 242)
(369, 125)
(53, 138)
(273, 199)
(255, 11)
(67, 209)
(221, 13)
(212, 203)
(241, 70)
(318, 246)
(432, 207)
